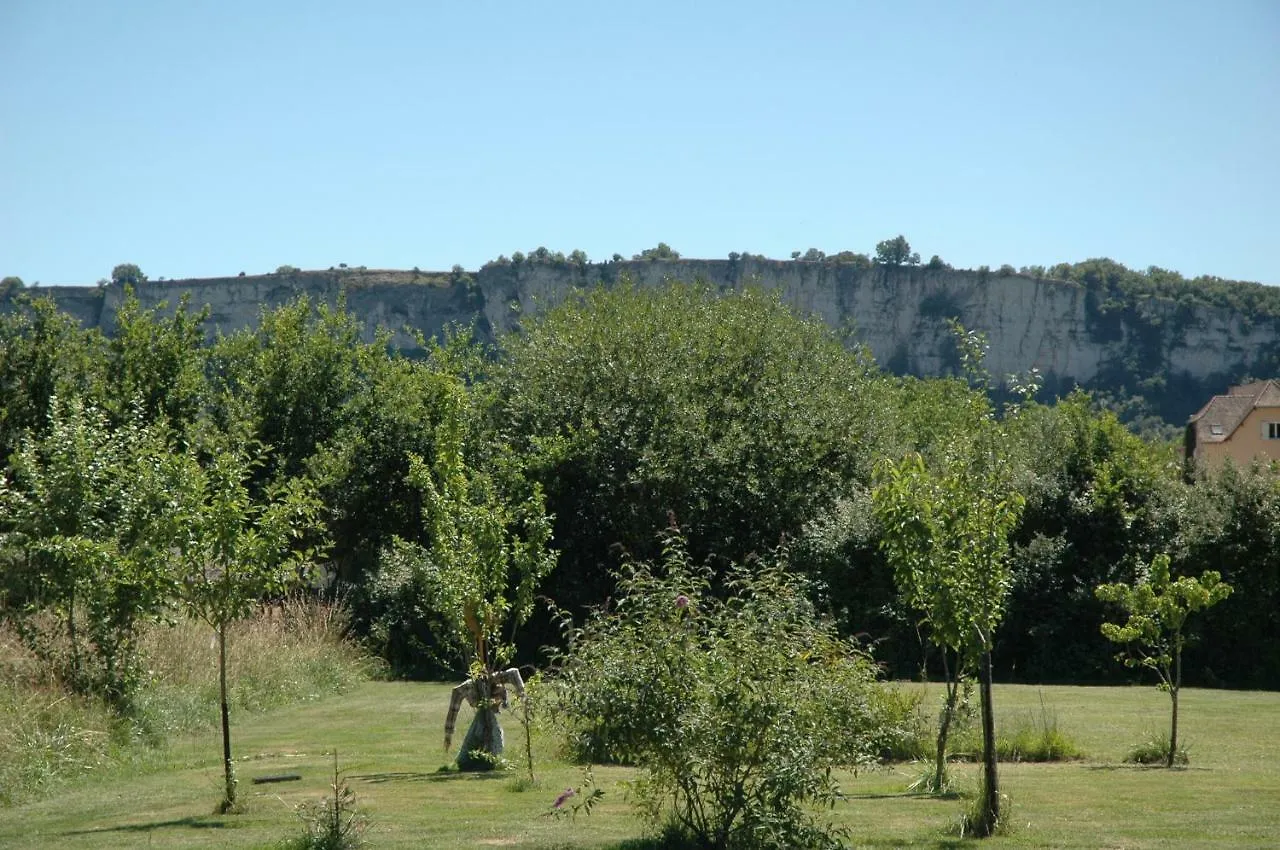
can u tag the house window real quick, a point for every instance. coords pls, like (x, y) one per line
(1272, 430)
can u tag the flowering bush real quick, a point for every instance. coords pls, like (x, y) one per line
(737, 706)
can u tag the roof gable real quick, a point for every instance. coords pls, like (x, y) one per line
(1219, 419)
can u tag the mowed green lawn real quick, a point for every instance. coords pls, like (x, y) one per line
(388, 739)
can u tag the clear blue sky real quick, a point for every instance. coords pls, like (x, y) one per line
(207, 138)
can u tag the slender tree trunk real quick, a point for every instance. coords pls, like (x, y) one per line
(1173, 695)
(228, 770)
(76, 678)
(944, 727)
(990, 816)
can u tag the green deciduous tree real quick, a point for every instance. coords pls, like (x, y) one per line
(663, 251)
(236, 550)
(43, 352)
(156, 362)
(1158, 606)
(127, 273)
(488, 553)
(732, 412)
(290, 381)
(945, 528)
(896, 252)
(945, 531)
(88, 513)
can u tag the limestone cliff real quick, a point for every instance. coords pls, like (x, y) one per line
(1173, 353)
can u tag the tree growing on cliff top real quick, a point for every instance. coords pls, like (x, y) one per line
(896, 252)
(662, 252)
(127, 273)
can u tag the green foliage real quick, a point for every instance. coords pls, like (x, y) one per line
(860, 262)
(736, 707)
(127, 274)
(488, 554)
(1158, 607)
(896, 252)
(288, 382)
(235, 550)
(1113, 281)
(1233, 524)
(1156, 749)
(1099, 499)
(287, 269)
(662, 252)
(88, 529)
(946, 534)
(157, 363)
(43, 353)
(728, 411)
(334, 823)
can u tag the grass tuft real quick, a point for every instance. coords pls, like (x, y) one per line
(1155, 750)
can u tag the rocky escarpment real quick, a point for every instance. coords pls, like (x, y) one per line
(1173, 353)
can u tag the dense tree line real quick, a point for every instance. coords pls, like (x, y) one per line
(615, 416)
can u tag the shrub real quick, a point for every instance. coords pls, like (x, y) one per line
(736, 707)
(333, 823)
(1155, 750)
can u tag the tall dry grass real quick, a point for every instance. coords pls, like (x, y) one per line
(292, 651)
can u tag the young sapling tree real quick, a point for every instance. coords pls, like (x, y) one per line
(488, 555)
(1157, 607)
(237, 551)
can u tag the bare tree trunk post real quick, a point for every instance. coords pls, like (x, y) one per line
(76, 679)
(986, 824)
(1173, 695)
(227, 768)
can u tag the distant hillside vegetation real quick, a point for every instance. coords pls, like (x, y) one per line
(1153, 344)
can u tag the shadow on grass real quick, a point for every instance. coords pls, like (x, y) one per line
(208, 822)
(943, 843)
(1177, 768)
(949, 796)
(438, 776)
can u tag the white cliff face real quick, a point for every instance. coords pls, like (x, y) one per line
(898, 313)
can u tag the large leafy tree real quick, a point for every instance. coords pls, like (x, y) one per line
(489, 553)
(896, 252)
(1233, 525)
(155, 363)
(127, 274)
(725, 409)
(88, 521)
(43, 353)
(287, 383)
(1099, 499)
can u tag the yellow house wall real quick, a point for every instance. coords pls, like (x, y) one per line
(1248, 442)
